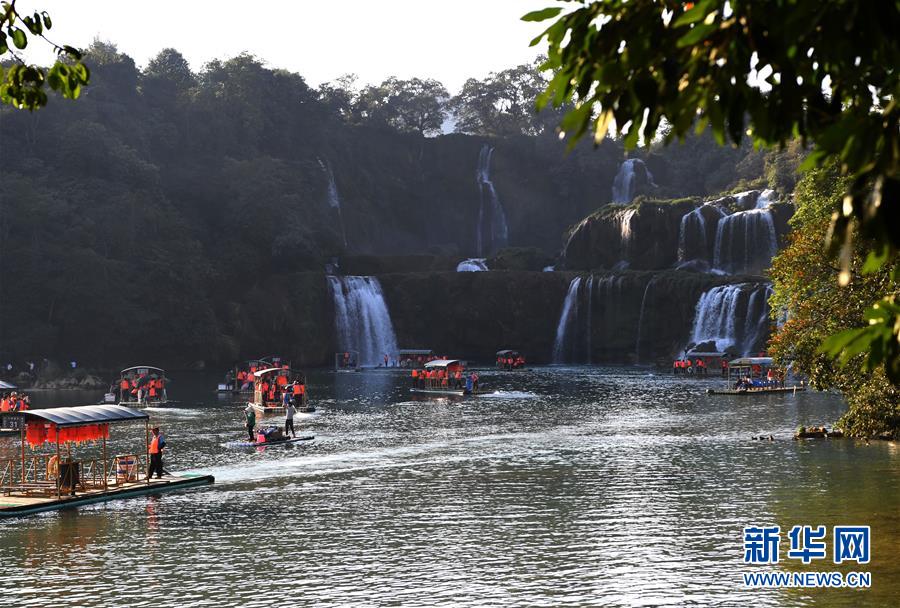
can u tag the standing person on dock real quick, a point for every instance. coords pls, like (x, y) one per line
(250, 421)
(289, 411)
(157, 443)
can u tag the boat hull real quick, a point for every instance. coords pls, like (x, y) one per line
(756, 391)
(257, 444)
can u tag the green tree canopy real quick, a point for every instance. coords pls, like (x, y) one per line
(414, 105)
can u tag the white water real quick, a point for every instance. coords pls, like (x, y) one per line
(334, 198)
(569, 311)
(472, 265)
(765, 199)
(623, 189)
(362, 320)
(549, 268)
(492, 232)
(734, 316)
(745, 241)
(590, 308)
(692, 234)
(637, 343)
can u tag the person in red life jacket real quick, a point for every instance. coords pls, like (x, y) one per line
(724, 368)
(701, 366)
(4, 403)
(415, 377)
(157, 443)
(152, 390)
(457, 376)
(124, 385)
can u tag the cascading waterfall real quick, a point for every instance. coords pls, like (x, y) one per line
(472, 265)
(492, 232)
(362, 320)
(765, 199)
(692, 241)
(590, 314)
(566, 321)
(637, 343)
(334, 199)
(623, 189)
(735, 317)
(745, 241)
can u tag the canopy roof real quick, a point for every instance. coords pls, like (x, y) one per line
(147, 367)
(84, 414)
(509, 351)
(745, 361)
(268, 370)
(415, 351)
(444, 363)
(6, 385)
(700, 353)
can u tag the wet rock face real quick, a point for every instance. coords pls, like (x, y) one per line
(728, 233)
(645, 236)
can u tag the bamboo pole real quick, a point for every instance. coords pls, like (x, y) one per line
(105, 473)
(22, 437)
(147, 449)
(58, 467)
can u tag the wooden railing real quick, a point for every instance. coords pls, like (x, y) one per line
(40, 474)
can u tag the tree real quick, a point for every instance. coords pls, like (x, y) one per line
(814, 306)
(414, 105)
(502, 104)
(22, 85)
(825, 73)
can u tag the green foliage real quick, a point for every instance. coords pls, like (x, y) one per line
(815, 307)
(24, 86)
(821, 72)
(414, 105)
(502, 104)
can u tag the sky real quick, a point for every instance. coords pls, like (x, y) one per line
(450, 40)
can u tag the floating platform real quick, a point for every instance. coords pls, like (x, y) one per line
(23, 502)
(756, 391)
(457, 392)
(257, 444)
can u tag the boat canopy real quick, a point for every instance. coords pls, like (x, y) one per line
(698, 353)
(501, 353)
(748, 361)
(6, 385)
(142, 367)
(83, 414)
(268, 370)
(442, 363)
(415, 351)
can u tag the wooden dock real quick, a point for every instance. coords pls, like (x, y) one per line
(29, 499)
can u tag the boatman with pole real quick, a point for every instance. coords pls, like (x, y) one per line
(250, 420)
(157, 443)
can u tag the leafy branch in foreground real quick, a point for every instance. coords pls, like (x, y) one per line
(824, 73)
(22, 85)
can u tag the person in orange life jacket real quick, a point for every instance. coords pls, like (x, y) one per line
(458, 377)
(157, 443)
(415, 376)
(123, 389)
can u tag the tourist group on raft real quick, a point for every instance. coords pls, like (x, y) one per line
(14, 402)
(696, 366)
(443, 378)
(510, 362)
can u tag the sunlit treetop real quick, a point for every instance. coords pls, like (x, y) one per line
(24, 86)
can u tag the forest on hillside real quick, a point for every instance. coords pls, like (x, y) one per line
(152, 215)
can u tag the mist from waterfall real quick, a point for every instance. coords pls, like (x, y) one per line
(624, 186)
(472, 265)
(362, 320)
(333, 197)
(735, 317)
(491, 232)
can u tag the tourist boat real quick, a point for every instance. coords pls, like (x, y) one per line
(414, 358)
(447, 385)
(146, 386)
(503, 356)
(346, 361)
(241, 375)
(748, 376)
(49, 476)
(265, 402)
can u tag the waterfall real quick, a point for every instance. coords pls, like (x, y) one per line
(472, 265)
(362, 320)
(624, 190)
(492, 232)
(637, 343)
(590, 314)
(334, 199)
(692, 239)
(566, 318)
(735, 317)
(745, 241)
(765, 199)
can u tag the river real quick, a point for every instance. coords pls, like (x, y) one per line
(567, 487)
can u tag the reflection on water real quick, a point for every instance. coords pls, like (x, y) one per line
(566, 486)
